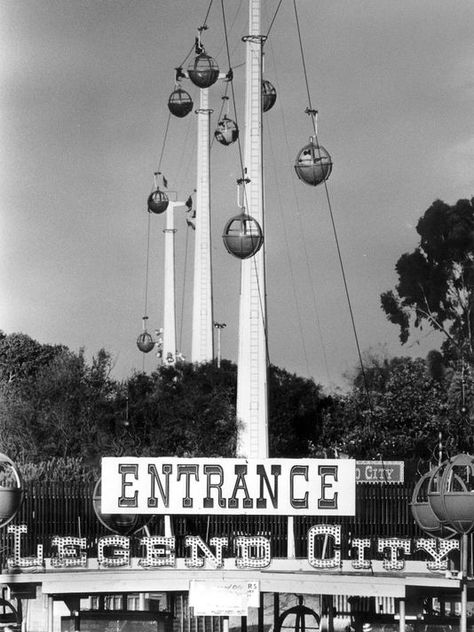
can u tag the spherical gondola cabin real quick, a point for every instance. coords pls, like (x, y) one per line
(422, 512)
(434, 493)
(123, 524)
(242, 236)
(313, 164)
(157, 202)
(453, 501)
(203, 71)
(227, 131)
(145, 342)
(180, 103)
(269, 95)
(11, 490)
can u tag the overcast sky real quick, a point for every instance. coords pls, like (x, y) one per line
(83, 98)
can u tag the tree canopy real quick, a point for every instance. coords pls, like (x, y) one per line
(401, 410)
(436, 280)
(57, 407)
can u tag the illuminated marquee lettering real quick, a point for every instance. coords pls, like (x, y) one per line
(160, 551)
(327, 530)
(393, 545)
(438, 548)
(254, 552)
(113, 551)
(71, 552)
(196, 543)
(360, 544)
(17, 561)
(119, 555)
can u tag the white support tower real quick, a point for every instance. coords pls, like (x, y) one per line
(252, 388)
(169, 318)
(202, 347)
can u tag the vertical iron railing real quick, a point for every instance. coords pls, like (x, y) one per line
(65, 509)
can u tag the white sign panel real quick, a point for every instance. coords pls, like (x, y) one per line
(143, 485)
(380, 472)
(222, 598)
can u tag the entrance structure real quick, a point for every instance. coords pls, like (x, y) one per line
(232, 561)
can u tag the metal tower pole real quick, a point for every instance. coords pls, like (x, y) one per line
(169, 318)
(252, 395)
(219, 327)
(202, 348)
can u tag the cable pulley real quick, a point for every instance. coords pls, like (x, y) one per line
(203, 70)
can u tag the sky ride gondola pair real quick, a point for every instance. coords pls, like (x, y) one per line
(203, 71)
(180, 105)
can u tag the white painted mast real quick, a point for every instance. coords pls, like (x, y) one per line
(169, 348)
(252, 388)
(202, 347)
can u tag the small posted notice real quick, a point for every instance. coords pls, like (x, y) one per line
(226, 599)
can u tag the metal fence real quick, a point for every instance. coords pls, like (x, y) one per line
(66, 509)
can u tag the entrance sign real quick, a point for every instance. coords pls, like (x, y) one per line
(380, 472)
(313, 487)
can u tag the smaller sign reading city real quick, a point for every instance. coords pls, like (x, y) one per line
(142, 485)
(380, 472)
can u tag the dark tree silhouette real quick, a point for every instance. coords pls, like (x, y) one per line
(436, 280)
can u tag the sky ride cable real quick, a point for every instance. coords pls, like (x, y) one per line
(313, 113)
(147, 264)
(230, 29)
(183, 293)
(272, 21)
(207, 13)
(224, 105)
(303, 234)
(193, 47)
(239, 143)
(290, 266)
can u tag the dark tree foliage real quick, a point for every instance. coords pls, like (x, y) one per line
(436, 288)
(21, 357)
(189, 409)
(397, 410)
(436, 280)
(183, 410)
(56, 405)
(296, 415)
